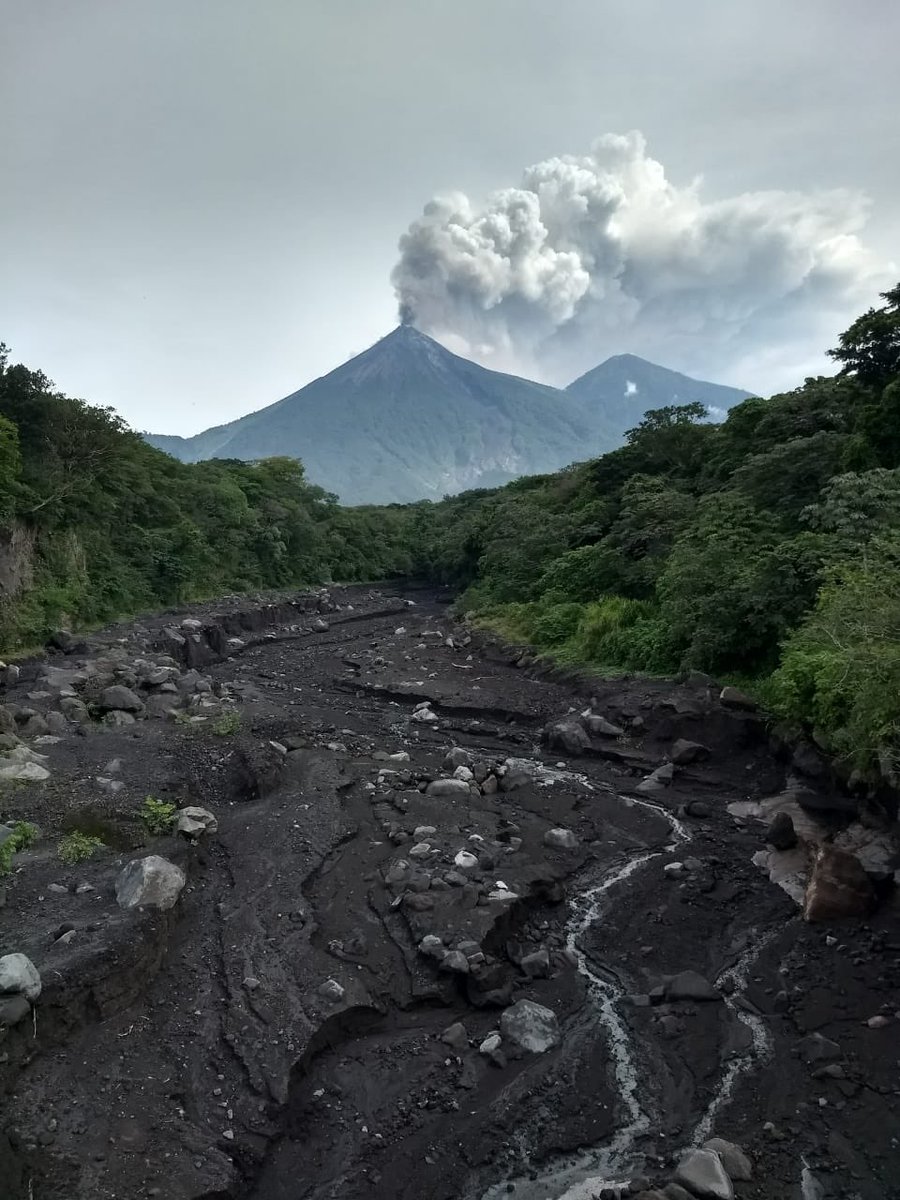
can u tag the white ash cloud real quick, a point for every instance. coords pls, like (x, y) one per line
(601, 254)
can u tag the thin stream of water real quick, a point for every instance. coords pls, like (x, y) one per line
(576, 1177)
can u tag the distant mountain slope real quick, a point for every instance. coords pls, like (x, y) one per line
(407, 420)
(624, 387)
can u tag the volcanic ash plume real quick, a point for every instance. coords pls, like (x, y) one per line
(601, 254)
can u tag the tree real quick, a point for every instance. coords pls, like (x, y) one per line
(870, 348)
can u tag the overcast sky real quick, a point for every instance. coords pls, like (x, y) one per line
(201, 200)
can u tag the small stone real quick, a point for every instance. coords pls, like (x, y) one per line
(456, 1037)
(250, 984)
(447, 788)
(331, 990)
(193, 822)
(491, 1044)
(13, 1009)
(684, 752)
(878, 1022)
(464, 860)
(531, 1026)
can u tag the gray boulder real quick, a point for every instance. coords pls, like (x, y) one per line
(151, 882)
(730, 697)
(457, 756)
(331, 990)
(599, 726)
(193, 822)
(702, 1173)
(75, 710)
(569, 737)
(13, 1009)
(689, 985)
(19, 977)
(530, 1026)
(561, 839)
(455, 1037)
(447, 788)
(734, 1160)
(120, 698)
(684, 752)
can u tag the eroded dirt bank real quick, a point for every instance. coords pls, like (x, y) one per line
(289, 1027)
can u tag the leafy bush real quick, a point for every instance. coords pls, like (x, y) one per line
(226, 724)
(22, 836)
(76, 847)
(158, 816)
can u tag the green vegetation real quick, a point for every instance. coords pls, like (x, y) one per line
(22, 836)
(765, 548)
(158, 816)
(226, 724)
(76, 847)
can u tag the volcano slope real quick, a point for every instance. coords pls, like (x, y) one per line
(332, 1006)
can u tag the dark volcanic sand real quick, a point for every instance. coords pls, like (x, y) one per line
(190, 1054)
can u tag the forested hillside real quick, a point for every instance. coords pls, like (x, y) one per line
(95, 524)
(767, 547)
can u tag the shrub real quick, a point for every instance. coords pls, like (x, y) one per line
(227, 724)
(76, 847)
(22, 836)
(158, 816)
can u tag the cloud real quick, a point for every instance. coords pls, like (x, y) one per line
(601, 254)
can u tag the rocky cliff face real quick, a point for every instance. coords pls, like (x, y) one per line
(17, 545)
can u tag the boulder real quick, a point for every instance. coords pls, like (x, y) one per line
(569, 737)
(736, 1163)
(702, 1173)
(561, 839)
(455, 757)
(194, 822)
(19, 977)
(455, 1037)
(599, 726)
(689, 985)
(119, 698)
(730, 697)
(447, 788)
(75, 710)
(7, 720)
(530, 1026)
(13, 1009)
(838, 887)
(151, 882)
(816, 1048)
(331, 990)
(781, 833)
(684, 752)
(536, 965)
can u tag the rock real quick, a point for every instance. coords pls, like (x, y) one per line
(734, 1160)
(7, 720)
(702, 1173)
(331, 990)
(151, 882)
(673, 869)
(567, 736)
(75, 710)
(879, 1021)
(320, 626)
(35, 727)
(447, 788)
(432, 947)
(464, 773)
(194, 822)
(19, 976)
(57, 723)
(455, 961)
(455, 1037)
(530, 1026)
(490, 786)
(13, 1009)
(420, 850)
(117, 719)
(536, 965)
(425, 715)
(599, 726)
(465, 860)
(120, 698)
(689, 985)
(456, 757)
(674, 1191)
(490, 1045)
(28, 772)
(561, 839)
(684, 752)
(698, 808)
(815, 1047)
(781, 833)
(838, 887)
(730, 697)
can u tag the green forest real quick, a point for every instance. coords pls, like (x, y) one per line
(765, 549)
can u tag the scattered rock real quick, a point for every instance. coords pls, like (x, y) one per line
(19, 976)
(684, 752)
(568, 736)
(599, 726)
(781, 833)
(447, 788)
(455, 1037)
(120, 698)
(457, 756)
(702, 1172)
(689, 985)
(730, 697)
(193, 822)
(561, 839)
(151, 882)
(331, 990)
(838, 887)
(530, 1026)
(734, 1160)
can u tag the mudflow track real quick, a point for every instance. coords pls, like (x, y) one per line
(277, 1034)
